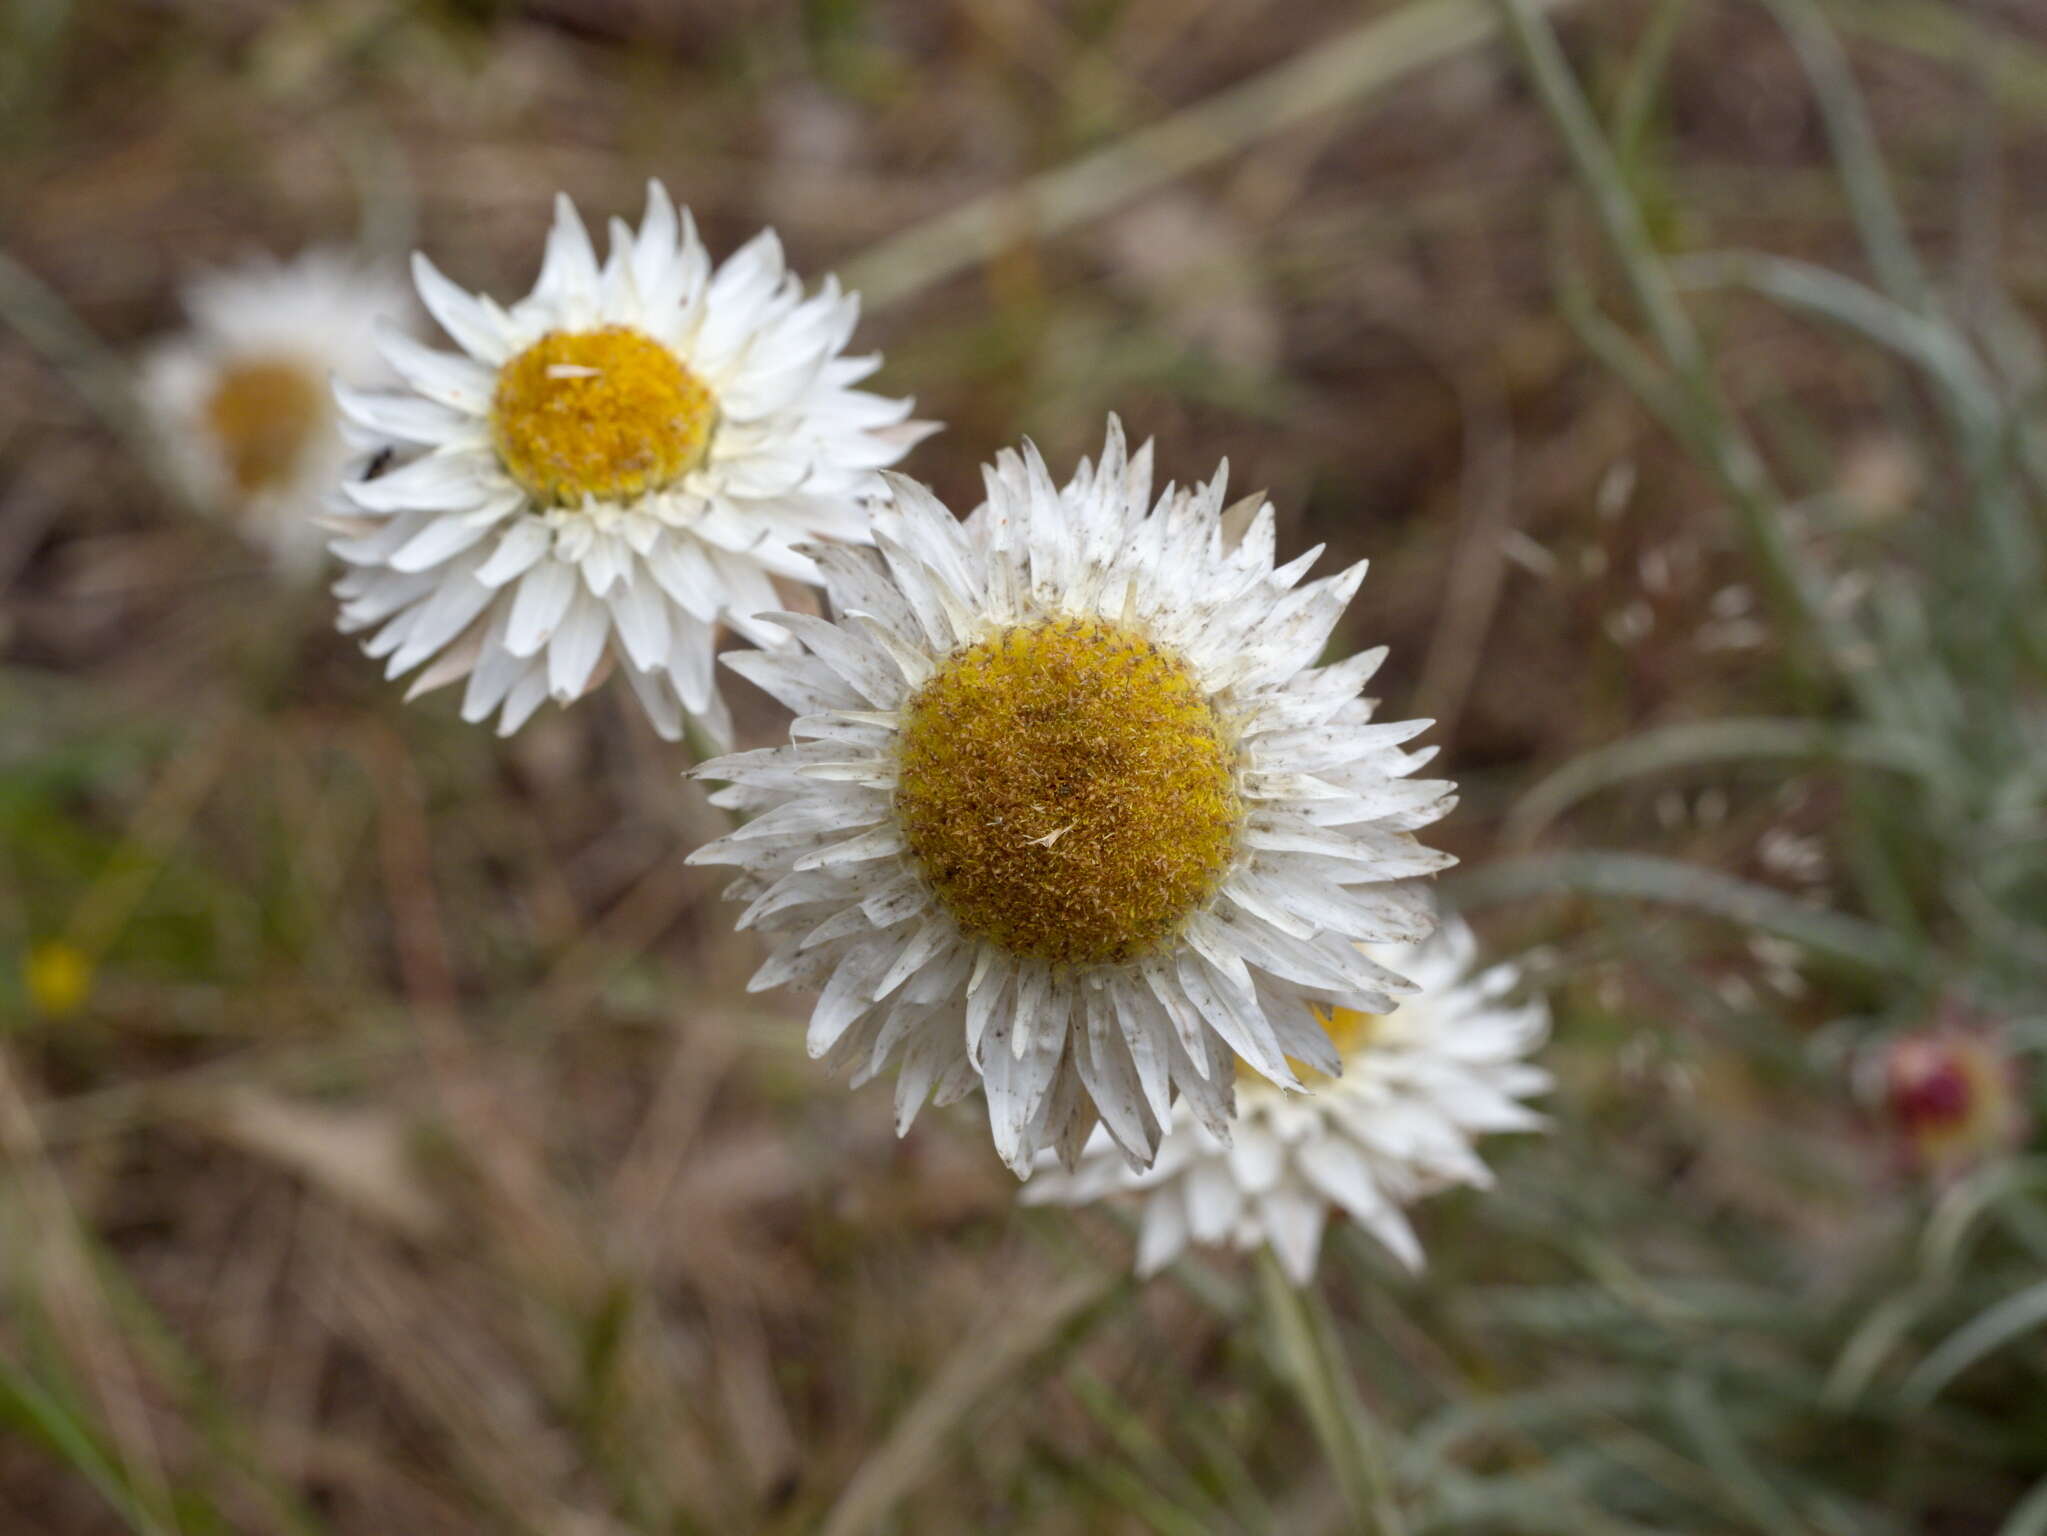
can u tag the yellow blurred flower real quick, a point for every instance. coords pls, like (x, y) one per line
(58, 977)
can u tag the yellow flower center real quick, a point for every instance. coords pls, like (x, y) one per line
(58, 977)
(263, 412)
(1066, 788)
(608, 413)
(1348, 1030)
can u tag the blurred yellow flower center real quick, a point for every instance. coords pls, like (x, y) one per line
(608, 413)
(263, 412)
(58, 978)
(1066, 788)
(1348, 1030)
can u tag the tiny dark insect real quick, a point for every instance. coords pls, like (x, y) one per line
(379, 462)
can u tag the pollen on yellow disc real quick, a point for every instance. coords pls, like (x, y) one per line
(1068, 791)
(608, 413)
(263, 412)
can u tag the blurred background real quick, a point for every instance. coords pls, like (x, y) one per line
(387, 1144)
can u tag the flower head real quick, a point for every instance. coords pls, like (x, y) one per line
(1419, 1085)
(1953, 1096)
(1070, 810)
(615, 465)
(241, 402)
(57, 977)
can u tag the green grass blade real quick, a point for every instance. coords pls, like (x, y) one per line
(34, 1412)
(2029, 1517)
(1856, 151)
(1983, 1336)
(1644, 877)
(1700, 743)
(1705, 1424)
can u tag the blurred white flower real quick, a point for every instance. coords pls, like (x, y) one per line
(1730, 635)
(1071, 808)
(1796, 856)
(1732, 601)
(1418, 1087)
(1629, 624)
(1779, 961)
(619, 463)
(241, 403)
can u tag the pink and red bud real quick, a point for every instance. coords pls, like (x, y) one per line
(1952, 1094)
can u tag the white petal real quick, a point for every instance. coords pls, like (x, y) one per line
(456, 382)
(452, 484)
(1162, 1236)
(475, 325)
(435, 543)
(538, 606)
(518, 547)
(642, 620)
(573, 653)
(1292, 1220)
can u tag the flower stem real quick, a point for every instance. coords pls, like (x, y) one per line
(1310, 1359)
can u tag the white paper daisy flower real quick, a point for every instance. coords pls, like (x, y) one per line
(241, 403)
(1069, 808)
(615, 465)
(1418, 1087)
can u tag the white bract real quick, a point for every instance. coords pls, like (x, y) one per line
(1070, 810)
(612, 467)
(1418, 1087)
(240, 402)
